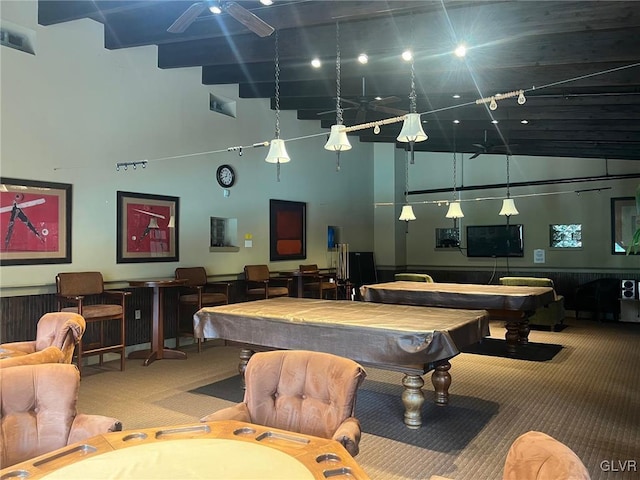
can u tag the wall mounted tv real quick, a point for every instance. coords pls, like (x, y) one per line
(495, 241)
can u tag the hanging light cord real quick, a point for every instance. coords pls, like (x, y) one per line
(508, 175)
(339, 118)
(277, 80)
(412, 95)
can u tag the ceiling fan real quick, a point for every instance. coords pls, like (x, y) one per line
(487, 147)
(241, 14)
(362, 105)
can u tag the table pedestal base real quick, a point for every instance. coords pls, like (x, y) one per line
(151, 356)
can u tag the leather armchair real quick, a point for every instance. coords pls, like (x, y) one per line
(85, 292)
(538, 456)
(260, 283)
(198, 293)
(301, 391)
(62, 330)
(551, 315)
(316, 284)
(38, 412)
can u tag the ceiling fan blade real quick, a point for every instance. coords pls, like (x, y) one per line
(350, 102)
(477, 154)
(479, 145)
(385, 100)
(186, 19)
(327, 112)
(248, 19)
(360, 116)
(392, 111)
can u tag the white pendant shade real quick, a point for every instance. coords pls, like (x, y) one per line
(508, 208)
(338, 140)
(412, 129)
(277, 152)
(455, 211)
(407, 213)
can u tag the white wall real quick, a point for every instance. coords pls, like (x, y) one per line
(75, 109)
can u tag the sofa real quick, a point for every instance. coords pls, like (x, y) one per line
(551, 315)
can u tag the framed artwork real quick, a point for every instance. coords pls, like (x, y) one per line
(288, 230)
(35, 222)
(625, 221)
(147, 228)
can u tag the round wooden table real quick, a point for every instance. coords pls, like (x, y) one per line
(158, 351)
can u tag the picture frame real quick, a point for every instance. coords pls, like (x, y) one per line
(35, 222)
(287, 230)
(625, 220)
(147, 228)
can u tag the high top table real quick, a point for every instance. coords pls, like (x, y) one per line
(158, 351)
(514, 304)
(411, 340)
(223, 450)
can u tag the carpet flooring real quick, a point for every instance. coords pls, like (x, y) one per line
(580, 385)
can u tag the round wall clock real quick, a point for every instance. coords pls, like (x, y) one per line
(226, 176)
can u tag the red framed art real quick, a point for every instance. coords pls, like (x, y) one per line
(35, 222)
(147, 228)
(288, 230)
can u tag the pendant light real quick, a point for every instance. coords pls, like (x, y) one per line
(508, 205)
(412, 131)
(338, 141)
(406, 215)
(277, 150)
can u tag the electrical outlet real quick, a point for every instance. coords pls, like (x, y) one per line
(138, 314)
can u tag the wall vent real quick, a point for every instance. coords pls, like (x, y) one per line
(17, 37)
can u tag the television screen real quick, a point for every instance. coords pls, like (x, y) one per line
(495, 241)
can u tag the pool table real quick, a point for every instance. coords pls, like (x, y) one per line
(514, 304)
(412, 340)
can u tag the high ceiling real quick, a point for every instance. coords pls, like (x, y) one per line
(578, 63)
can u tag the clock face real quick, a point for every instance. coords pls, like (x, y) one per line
(226, 176)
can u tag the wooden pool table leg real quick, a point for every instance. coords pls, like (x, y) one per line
(413, 399)
(245, 355)
(441, 379)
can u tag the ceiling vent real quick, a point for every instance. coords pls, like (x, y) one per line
(15, 36)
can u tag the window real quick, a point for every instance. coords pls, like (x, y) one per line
(565, 236)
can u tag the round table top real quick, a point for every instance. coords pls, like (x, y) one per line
(210, 458)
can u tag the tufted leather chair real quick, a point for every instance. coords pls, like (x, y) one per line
(301, 391)
(198, 293)
(538, 456)
(260, 283)
(38, 412)
(85, 292)
(57, 334)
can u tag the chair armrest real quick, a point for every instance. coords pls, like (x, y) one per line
(348, 434)
(280, 281)
(26, 347)
(86, 426)
(117, 293)
(50, 354)
(73, 299)
(238, 412)
(219, 287)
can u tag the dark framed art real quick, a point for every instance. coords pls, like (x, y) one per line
(35, 222)
(625, 221)
(147, 228)
(288, 230)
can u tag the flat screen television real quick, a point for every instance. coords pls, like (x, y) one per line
(495, 241)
